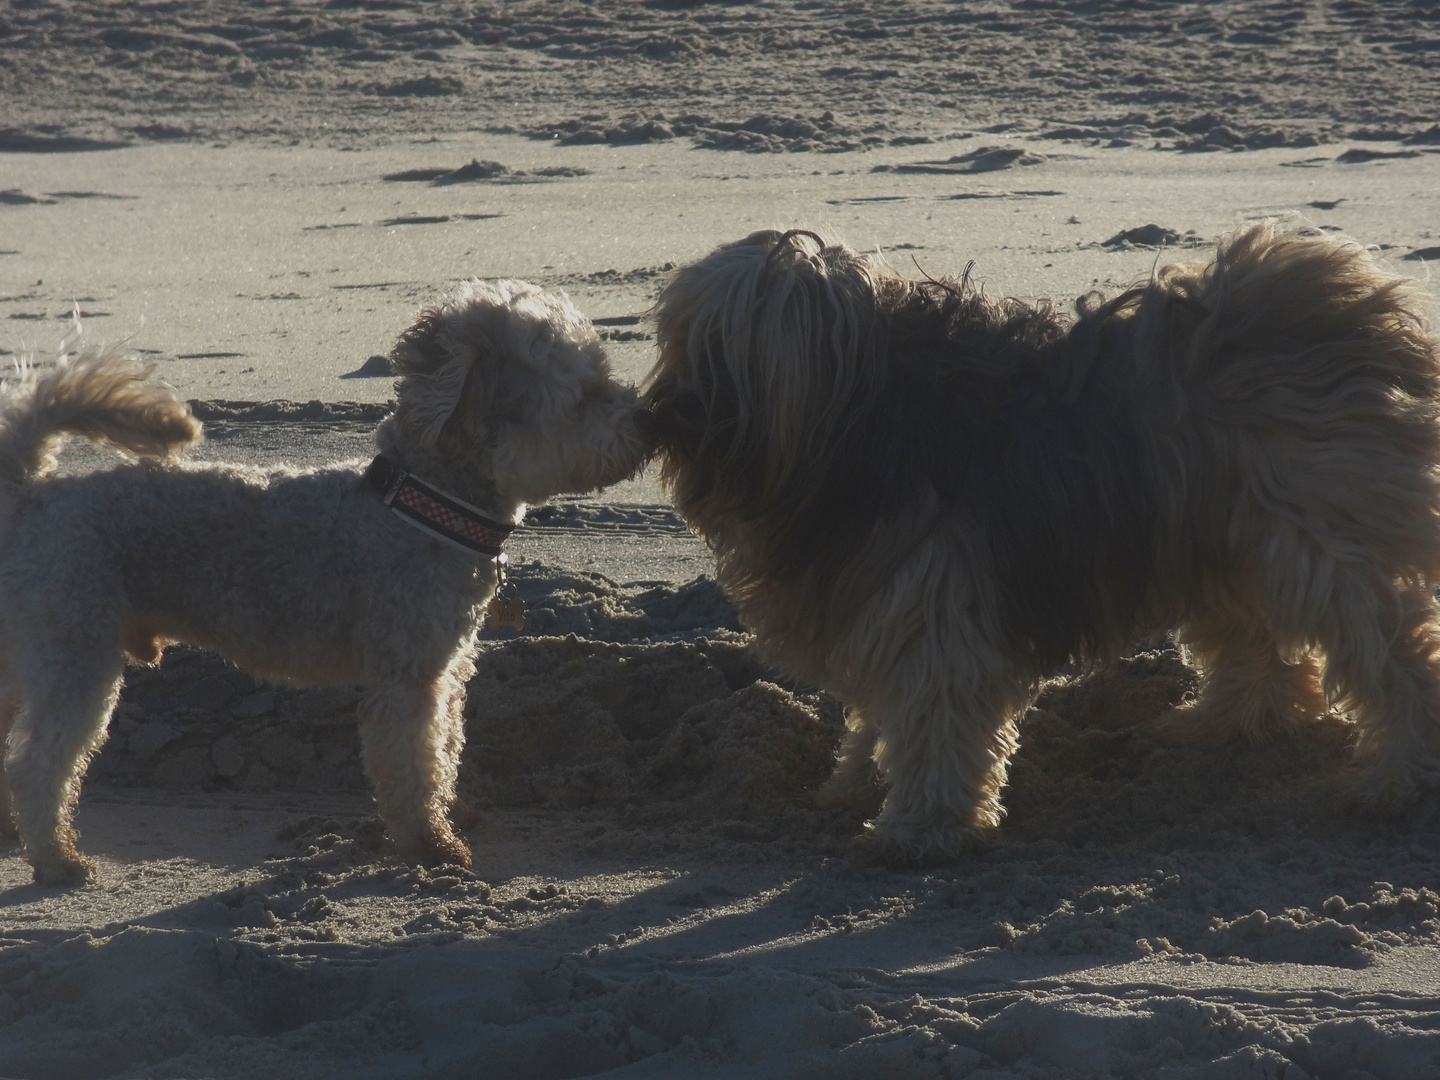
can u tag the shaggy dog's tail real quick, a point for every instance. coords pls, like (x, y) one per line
(1310, 371)
(101, 394)
(1285, 314)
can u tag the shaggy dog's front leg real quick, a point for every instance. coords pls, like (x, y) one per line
(412, 756)
(935, 700)
(943, 704)
(944, 753)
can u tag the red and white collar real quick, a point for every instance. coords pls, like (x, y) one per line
(435, 512)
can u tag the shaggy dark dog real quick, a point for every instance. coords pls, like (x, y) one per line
(927, 501)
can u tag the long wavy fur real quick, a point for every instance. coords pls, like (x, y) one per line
(927, 499)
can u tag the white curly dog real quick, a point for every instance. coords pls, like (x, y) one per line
(313, 577)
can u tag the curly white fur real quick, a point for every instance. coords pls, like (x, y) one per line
(505, 397)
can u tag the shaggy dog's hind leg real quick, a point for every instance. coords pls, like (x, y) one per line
(1388, 678)
(411, 755)
(1248, 688)
(855, 783)
(68, 696)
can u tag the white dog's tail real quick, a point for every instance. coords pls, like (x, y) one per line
(102, 394)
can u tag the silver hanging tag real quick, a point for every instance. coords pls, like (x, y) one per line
(505, 607)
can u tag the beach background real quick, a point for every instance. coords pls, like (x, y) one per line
(259, 197)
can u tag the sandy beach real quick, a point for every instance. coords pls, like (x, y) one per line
(258, 198)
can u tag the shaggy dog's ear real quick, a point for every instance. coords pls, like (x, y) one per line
(433, 370)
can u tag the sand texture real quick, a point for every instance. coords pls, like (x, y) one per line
(260, 196)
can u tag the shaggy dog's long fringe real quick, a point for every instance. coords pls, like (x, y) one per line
(927, 500)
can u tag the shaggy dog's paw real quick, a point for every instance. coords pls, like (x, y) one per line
(1392, 789)
(1214, 723)
(860, 793)
(1193, 723)
(909, 848)
(463, 817)
(441, 849)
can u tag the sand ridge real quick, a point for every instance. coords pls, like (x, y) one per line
(728, 76)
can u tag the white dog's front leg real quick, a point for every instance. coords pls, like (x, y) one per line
(412, 755)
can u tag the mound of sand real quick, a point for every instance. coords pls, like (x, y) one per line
(648, 710)
(675, 749)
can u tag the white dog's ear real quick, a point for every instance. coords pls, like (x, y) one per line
(433, 368)
(418, 350)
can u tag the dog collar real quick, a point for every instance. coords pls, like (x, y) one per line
(436, 512)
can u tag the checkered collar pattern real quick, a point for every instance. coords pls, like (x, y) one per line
(436, 512)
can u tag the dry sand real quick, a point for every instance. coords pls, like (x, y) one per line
(260, 196)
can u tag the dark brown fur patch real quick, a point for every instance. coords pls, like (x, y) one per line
(1013, 422)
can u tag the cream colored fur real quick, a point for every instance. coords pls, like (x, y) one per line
(504, 398)
(927, 500)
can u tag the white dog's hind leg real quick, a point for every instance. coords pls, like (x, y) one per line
(411, 755)
(68, 696)
(1248, 688)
